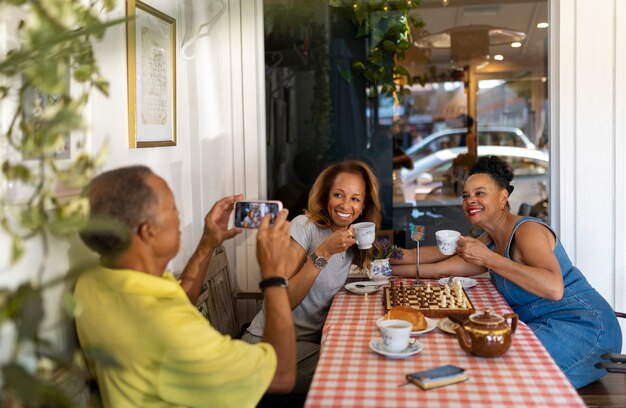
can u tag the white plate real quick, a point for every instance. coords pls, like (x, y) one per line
(364, 287)
(447, 326)
(414, 348)
(430, 325)
(465, 282)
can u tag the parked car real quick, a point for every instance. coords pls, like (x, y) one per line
(426, 178)
(451, 138)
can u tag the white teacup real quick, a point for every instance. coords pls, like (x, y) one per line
(365, 234)
(446, 241)
(396, 334)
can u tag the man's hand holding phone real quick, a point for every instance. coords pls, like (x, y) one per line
(271, 242)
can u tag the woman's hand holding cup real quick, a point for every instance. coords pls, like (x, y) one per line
(337, 242)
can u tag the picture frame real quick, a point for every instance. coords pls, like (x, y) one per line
(151, 57)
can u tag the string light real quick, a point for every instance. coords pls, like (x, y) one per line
(386, 7)
(355, 6)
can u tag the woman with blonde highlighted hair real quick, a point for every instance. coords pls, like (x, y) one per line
(323, 248)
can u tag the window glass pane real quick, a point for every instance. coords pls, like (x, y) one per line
(465, 70)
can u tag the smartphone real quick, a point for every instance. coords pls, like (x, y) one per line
(438, 376)
(248, 214)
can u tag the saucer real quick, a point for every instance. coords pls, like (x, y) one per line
(414, 348)
(364, 287)
(430, 325)
(465, 282)
(447, 326)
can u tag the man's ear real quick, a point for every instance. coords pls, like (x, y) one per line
(145, 231)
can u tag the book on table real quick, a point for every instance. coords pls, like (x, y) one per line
(438, 376)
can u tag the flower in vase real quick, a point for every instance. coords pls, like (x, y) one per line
(384, 249)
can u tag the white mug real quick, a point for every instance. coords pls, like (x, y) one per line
(396, 334)
(446, 241)
(365, 234)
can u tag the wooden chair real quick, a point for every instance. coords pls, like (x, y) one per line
(217, 301)
(609, 391)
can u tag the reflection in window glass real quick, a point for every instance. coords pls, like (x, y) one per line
(315, 116)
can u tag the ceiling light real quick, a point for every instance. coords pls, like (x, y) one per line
(543, 25)
(470, 44)
(498, 57)
(516, 44)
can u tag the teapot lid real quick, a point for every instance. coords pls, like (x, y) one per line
(486, 318)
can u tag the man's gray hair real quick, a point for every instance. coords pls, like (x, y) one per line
(120, 201)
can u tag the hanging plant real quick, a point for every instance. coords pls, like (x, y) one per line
(388, 26)
(53, 44)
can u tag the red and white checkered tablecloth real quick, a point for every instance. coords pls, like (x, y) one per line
(349, 374)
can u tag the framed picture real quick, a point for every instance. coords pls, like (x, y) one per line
(151, 55)
(35, 102)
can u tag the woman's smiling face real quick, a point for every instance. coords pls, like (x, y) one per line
(346, 199)
(482, 198)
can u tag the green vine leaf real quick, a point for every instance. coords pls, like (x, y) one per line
(16, 172)
(375, 57)
(358, 66)
(389, 45)
(387, 25)
(17, 249)
(400, 70)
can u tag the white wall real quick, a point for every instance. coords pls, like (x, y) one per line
(214, 112)
(219, 151)
(588, 67)
(221, 144)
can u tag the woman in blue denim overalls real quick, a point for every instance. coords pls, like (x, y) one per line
(530, 268)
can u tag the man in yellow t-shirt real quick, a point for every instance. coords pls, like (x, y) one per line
(168, 354)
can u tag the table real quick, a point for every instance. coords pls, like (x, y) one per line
(349, 374)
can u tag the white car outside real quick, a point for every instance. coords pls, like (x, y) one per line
(451, 138)
(427, 176)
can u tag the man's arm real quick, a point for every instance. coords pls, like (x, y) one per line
(279, 330)
(215, 232)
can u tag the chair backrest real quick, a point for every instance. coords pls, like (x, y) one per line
(216, 301)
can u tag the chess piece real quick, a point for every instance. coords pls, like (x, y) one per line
(446, 289)
(457, 286)
(428, 288)
(443, 301)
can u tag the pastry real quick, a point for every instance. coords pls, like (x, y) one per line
(409, 314)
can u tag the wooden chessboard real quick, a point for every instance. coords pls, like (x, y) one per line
(426, 302)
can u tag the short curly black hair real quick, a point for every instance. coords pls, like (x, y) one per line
(496, 168)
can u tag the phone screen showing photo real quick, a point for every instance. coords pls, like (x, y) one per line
(248, 214)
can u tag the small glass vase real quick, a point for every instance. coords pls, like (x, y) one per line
(380, 269)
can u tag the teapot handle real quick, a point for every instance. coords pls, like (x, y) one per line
(513, 318)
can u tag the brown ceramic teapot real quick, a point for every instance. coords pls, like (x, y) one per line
(487, 334)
